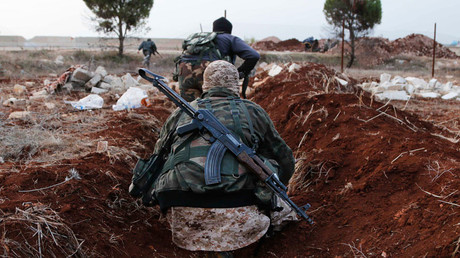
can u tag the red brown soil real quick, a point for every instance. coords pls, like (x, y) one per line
(286, 45)
(420, 45)
(371, 51)
(375, 51)
(366, 184)
(372, 180)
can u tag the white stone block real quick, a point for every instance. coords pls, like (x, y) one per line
(385, 85)
(81, 74)
(94, 81)
(275, 70)
(378, 89)
(409, 88)
(393, 95)
(447, 87)
(428, 95)
(432, 83)
(417, 82)
(129, 81)
(268, 67)
(104, 85)
(101, 70)
(398, 80)
(263, 65)
(97, 90)
(384, 77)
(396, 87)
(294, 67)
(451, 95)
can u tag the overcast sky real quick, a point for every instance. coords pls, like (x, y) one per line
(251, 19)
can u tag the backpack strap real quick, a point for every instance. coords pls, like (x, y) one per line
(207, 104)
(255, 142)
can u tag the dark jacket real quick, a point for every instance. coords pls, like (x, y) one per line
(232, 46)
(148, 46)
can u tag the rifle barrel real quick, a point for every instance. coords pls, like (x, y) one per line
(171, 94)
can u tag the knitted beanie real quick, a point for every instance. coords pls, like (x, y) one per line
(222, 25)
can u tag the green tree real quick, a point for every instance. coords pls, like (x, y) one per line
(120, 17)
(359, 16)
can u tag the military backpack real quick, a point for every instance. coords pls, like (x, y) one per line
(200, 44)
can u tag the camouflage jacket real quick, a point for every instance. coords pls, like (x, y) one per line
(182, 183)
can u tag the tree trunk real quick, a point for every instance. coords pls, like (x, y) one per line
(352, 45)
(121, 38)
(120, 46)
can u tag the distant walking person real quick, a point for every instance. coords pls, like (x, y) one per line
(148, 48)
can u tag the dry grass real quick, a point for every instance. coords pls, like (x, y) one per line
(49, 137)
(31, 64)
(308, 172)
(53, 237)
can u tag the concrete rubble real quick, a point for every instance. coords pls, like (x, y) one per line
(400, 88)
(80, 78)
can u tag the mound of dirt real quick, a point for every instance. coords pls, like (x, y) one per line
(379, 181)
(372, 51)
(420, 45)
(369, 51)
(272, 38)
(286, 45)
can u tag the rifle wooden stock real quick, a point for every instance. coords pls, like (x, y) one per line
(255, 165)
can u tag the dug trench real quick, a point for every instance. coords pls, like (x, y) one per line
(381, 182)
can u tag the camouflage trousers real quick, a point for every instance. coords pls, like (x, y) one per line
(223, 229)
(146, 61)
(191, 79)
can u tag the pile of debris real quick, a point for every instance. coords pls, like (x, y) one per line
(400, 88)
(79, 79)
(286, 45)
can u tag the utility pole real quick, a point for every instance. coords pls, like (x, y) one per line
(434, 51)
(225, 13)
(343, 43)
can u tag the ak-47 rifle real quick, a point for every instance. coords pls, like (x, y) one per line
(156, 51)
(222, 140)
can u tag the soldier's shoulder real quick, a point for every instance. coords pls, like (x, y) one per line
(253, 106)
